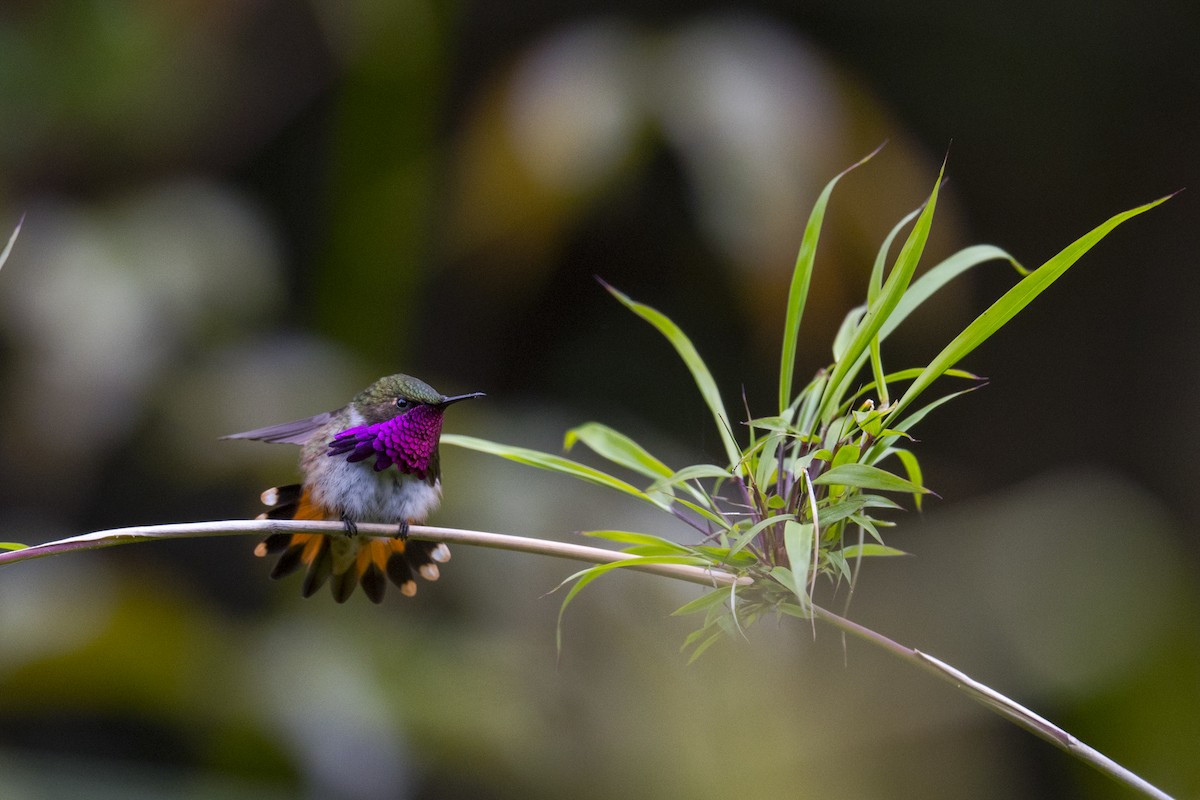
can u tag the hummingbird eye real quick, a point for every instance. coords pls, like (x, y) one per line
(402, 404)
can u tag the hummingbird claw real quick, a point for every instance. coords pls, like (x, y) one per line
(402, 533)
(351, 528)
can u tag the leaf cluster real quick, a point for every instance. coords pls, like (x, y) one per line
(800, 493)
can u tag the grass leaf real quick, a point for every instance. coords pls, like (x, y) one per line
(617, 448)
(702, 603)
(695, 364)
(801, 278)
(1011, 303)
(798, 541)
(865, 476)
(882, 307)
(869, 549)
(552, 463)
(629, 537)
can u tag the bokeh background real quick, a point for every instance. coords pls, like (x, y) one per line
(241, 213)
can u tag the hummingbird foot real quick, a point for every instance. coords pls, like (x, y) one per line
(402, 531)
(351, 528)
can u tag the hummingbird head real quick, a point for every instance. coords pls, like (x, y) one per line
(403, 423)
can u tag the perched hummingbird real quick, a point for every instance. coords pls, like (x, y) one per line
(396, 421)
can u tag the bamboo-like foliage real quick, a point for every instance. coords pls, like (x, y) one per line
(800, 493)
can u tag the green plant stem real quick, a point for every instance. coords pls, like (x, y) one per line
(1005, 707)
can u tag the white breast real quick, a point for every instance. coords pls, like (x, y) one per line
(365, 495)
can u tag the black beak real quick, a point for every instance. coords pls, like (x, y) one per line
(448, 400)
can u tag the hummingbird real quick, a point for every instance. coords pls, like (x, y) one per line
(373, 460)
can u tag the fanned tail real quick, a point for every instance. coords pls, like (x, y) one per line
(344, 561)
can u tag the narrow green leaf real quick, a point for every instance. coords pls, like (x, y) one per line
(868, 525)
(882, 307)
(810, 402)
(917, 293)
(877, 371)
(617, 448)
(786, 578)
(1011, 303)
(711, 516)
(798, 542)
(742, 538)
(702, 603)
(798, 291)
(846, 454)
(765, 471)
(699, 633)
(938, 276)
(904, 375)
(874, 286)
(848, 506)
(695, 364)
(703, 646)
(840, 566)
(901, 427)
(638, 561)
(845, 334)
(772, 424)
(586, 576)
(869, 550)
(552, 463)
(875, 283)
(691, 473)
(631, 537)
(582, 579)
(13, 546)
(793, 610)
(912, 468)
(865, 476)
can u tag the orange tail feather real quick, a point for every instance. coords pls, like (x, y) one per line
(354, 560)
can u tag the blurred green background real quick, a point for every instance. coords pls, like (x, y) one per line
(241, 213)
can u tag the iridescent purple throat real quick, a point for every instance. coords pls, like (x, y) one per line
(407, 440)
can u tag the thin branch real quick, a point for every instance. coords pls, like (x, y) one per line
(265, 527)
(1005, 707)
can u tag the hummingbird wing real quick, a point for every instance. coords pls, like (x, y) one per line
(296, 432)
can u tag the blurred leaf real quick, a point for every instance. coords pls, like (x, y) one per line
(11, 241)
(13, 546)
(707, 643)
